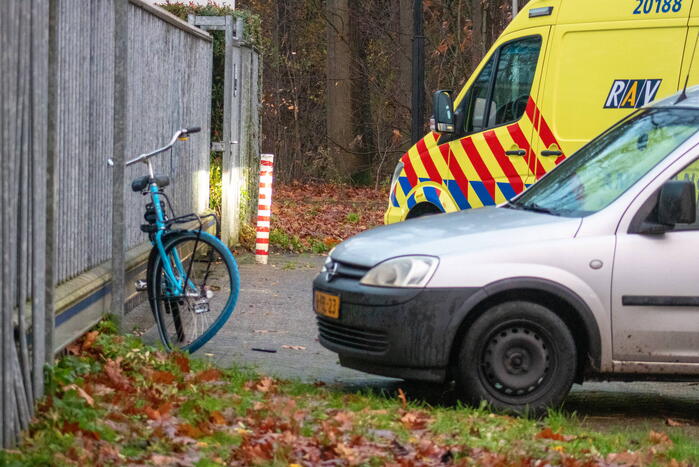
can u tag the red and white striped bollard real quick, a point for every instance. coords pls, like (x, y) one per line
(264, 208)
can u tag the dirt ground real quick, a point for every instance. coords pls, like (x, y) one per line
(273, 330)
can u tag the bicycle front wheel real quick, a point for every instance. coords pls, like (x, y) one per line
(194, 291)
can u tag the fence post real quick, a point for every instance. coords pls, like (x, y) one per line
(121, 35)
(264, 208)
(51, 197)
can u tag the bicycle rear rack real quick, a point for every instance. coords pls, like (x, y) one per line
(151, 228)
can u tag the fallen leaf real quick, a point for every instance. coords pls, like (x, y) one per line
(217, 418)
(74, 348)
(162, 377)
(81, 392)
(628, 458)
(152, 413)
(548, 433)
(181, 361)
(293, 347)
(165, 408)
(415, 420)
(403, 399)
(89, 340)
(658, 438)
(101, 390)
(160, 459)
(265, 385)
(112, 368)
(185, 429)
(211, 374)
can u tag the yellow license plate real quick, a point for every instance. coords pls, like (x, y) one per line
(327, 304)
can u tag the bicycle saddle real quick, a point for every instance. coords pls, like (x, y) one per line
(141, 183)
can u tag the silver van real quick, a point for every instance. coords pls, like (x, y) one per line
(593, 272)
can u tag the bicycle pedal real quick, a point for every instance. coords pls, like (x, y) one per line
(140, 285)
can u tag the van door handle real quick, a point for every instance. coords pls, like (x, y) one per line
(551, 153)
(516, 152)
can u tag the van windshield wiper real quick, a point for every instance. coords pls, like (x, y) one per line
(534, 208)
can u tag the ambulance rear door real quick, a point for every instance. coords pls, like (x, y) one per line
(606, 60)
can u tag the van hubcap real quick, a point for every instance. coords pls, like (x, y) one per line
(516, 360)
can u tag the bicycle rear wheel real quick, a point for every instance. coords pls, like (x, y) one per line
(188, 316)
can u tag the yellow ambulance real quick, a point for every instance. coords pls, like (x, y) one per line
(562, 71)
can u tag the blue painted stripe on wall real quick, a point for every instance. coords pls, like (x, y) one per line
(458, 195)
(80, 306)
(482, 193)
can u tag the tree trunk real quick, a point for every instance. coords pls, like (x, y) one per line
(405, 33)
(363, 120)
(478, 38)
(339, 87)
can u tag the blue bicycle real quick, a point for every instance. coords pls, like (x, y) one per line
(192, 278)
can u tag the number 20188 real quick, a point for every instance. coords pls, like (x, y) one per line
(646, 7)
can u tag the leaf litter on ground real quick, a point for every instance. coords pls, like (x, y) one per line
(114, 401)
(314, 217)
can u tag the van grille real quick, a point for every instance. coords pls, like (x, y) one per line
(348, 271)
(347, 336)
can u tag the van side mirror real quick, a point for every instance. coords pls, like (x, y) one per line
(677, 203)
(443, 112)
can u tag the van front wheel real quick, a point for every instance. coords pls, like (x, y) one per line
(519, 357)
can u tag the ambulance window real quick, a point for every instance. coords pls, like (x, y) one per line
(476, 98)
(513, 80)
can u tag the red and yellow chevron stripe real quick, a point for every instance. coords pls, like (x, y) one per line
(474, 171)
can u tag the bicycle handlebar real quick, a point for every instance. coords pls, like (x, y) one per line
(145, 157)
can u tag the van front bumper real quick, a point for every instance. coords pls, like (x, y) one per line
(401, 333)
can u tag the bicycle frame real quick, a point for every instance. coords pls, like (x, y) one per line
(178, 286)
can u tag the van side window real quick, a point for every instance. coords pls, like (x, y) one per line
(513, 80)
(691, 173)
(508, 93)
(475, 100)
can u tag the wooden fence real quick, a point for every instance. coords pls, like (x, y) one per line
(67, 105)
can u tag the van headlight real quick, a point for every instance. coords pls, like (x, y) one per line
(328, 261)
(406, 271)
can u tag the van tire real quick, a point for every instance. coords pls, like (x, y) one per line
(519, 357)
(423, 209)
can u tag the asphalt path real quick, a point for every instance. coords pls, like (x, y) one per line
(273, 330)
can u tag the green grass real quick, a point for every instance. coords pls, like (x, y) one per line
(281, 239)
(117, 401)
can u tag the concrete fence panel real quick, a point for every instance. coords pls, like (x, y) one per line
(23, 192)
(57, 120)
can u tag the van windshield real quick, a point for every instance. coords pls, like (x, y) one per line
(603, 170)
